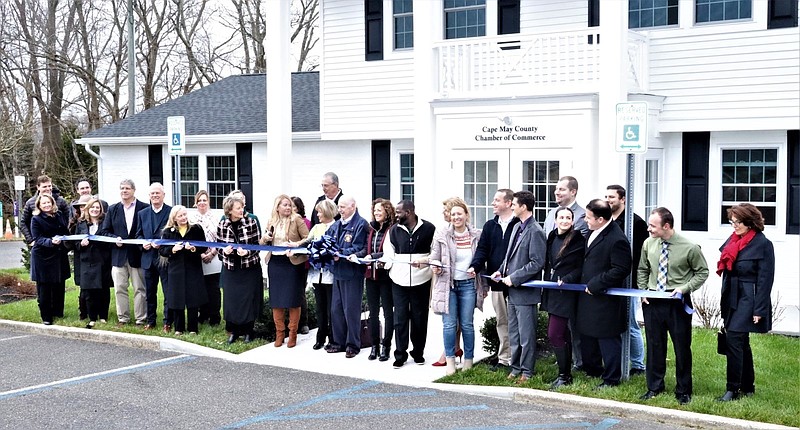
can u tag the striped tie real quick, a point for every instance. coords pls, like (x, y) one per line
(663, 262)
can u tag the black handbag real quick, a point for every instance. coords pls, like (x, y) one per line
(722, 342)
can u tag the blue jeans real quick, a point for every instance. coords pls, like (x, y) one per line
(636, 345)
(461, 311)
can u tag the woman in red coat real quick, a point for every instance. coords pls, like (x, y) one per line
(186, 291)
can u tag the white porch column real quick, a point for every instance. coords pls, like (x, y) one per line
(426, 166)
(610, 167)
(275, 179)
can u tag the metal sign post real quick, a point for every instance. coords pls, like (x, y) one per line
(631, 138)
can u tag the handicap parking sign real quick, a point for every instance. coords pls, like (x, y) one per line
(630, 133)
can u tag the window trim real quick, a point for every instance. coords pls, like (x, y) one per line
(652, 27)
(483, 7)
(744, 147)
(202, 176)
(723, 21)
(394, 26)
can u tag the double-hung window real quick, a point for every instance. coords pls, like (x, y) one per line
(214, 173)
(652, 13)
(403, 13)
(751, 176)
(464, 18)
(722, 10)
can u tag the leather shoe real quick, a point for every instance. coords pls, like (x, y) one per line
(419, 360)
(147, 327)
(649, 395)
(499, 367)
(373, 353)
(522, 379)
(384, 354)
(247, 338)
(634, 371)
(728, 396)
(605, 385)
(318, 345)
(334, 349)
(398, 363)
(350, 353)
(232, 338)
(167, 328)
(304, 329)
(683, 398)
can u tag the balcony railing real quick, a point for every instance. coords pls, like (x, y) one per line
(529, 64)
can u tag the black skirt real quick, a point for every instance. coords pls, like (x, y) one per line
(240, 294)
(287, 282)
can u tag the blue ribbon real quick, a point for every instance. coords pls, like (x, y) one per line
(196, 243)
(624, 292)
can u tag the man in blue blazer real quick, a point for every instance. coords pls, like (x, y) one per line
(152, 220)
(126, 260)
(523, 262)
(602, 318)
(350, 234)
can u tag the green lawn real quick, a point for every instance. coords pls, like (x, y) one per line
(777, 360)
(28, 310)
(777, 398)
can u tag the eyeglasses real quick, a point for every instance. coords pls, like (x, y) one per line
(735, 223)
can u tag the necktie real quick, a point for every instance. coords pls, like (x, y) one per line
(663, 261)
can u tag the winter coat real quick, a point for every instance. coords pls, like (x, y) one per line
(746, 289)
(443, 253)
(185, 269)
(95, 261)
(49, 262)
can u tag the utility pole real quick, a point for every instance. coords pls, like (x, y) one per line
(131, 63)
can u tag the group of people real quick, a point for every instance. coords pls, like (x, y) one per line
(409, 266)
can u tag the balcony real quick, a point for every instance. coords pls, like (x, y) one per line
(530, 65)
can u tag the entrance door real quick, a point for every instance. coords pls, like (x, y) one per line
(480, 173)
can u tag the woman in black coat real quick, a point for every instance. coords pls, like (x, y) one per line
(94, 269)
(186, 289)
(563, 264)
(49, 261)
(747, 267)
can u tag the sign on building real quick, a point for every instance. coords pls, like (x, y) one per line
(176, 135)
(631, 131)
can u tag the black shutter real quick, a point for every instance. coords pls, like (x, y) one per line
(694, 200)
(507, 16)
(244, 171)
(793, 183)
(373, 34)
(155, 163)
(782, 14)
(594, 13)
(381, 167)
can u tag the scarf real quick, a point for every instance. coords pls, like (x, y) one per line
(735, 244)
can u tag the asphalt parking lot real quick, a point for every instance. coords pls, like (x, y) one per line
(53, 382)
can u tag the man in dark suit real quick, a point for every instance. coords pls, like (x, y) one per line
(330, 191)
(523, 262)
(488, 257)
(126, 260)
(602, 318)
(615, 196)
(152, 220)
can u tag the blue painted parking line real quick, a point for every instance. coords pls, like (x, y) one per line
(602, 425)
(285, 414)
(94, 377)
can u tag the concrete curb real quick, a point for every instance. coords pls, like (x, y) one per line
(155, 343)
(522, 395)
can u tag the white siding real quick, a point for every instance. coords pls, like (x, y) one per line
(537, 16)
(361, 99)
(123, 162)
(745, 80)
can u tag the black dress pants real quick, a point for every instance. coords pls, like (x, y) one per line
(662, 317)
(209, 312)
(323, 293)
(379, 295)
(410, 310)
(602, 357)
(740, 373)
(50, 296)
(151, 277)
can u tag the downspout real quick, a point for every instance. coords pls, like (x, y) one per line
(99, 165)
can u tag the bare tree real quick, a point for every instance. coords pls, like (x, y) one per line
(305, 17)
(154, 47)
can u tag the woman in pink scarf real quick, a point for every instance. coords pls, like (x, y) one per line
(747, 267)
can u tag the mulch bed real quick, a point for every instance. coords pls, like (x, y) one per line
(13, 289)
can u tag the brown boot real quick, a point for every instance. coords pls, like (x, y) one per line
(280, 326)
(294, 320)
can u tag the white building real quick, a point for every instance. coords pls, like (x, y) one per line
(432, 98)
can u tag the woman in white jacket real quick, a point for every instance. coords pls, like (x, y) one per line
(456, 292)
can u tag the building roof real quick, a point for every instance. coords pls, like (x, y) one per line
(234, 105)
